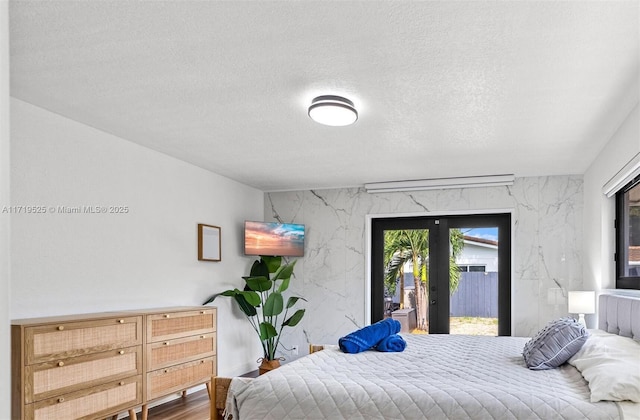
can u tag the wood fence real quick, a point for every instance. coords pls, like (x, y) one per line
(477, 296)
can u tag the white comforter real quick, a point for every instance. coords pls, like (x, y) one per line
(436, 377)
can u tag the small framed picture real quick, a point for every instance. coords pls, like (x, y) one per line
(209, 243)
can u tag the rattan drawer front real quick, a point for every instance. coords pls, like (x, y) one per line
(92, 403)
(170, 325)
(176, 378)
(180, 350)
(63, 340)
(49, 379)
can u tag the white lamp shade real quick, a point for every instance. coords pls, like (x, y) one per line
(582, 302)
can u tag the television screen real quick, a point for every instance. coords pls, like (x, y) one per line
(273, 239)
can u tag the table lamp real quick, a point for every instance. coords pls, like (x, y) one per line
(582, 303)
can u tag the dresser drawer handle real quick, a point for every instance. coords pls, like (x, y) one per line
(166, 343)
(61, 327)
(203, 312)
(121, 352)
(201, 361)
(61, 399)
(121, 321)
(166, 371)
(121, 383)
(60, 364)
(202, 336)
(166, 315)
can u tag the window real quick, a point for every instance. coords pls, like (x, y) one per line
(472, 268)
(628, 236)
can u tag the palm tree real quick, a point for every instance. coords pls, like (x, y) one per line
(402, 246)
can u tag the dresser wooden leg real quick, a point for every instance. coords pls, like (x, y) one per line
(132, 415)
(208, 384)
(145, 412)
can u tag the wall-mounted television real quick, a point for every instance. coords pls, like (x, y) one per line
(273, 239)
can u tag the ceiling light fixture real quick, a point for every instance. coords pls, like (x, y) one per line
(440, 183)
(333, 110)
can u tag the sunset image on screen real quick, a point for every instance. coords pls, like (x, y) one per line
(281, 239)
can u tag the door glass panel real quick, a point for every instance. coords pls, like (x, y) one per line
(406, 278)
(473, 276)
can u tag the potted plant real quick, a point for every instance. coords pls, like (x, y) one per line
(263, 304)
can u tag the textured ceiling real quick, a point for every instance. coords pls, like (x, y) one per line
(443, 88)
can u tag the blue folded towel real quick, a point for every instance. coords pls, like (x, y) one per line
(393, 343)
(369, 336)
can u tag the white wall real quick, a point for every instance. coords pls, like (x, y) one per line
(599, 211)
(473, 254)
(547, 246)
(147, 257)
(5, 380)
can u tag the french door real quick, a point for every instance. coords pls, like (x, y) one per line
(450, 274)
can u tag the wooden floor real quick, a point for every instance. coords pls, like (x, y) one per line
(194, 406)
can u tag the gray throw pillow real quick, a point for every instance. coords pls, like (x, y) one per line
(554, 344)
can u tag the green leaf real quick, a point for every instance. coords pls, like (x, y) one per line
(251, 297)
(212, 298)
(292, 301)
(273, 263)
(274, 305)
(267, 331)
(248, 309)
(284, 285)
(259, 269)
(285, 271)
(295, 318)
(258, 284)
(247, 301)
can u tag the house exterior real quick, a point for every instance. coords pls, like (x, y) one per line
(478, 255)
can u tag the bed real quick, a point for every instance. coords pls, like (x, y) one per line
(436, 377)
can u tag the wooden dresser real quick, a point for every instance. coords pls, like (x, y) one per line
(98, 365)
(180, 350)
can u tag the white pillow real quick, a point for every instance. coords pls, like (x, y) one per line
(611, 365)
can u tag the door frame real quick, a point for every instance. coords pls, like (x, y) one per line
(444, 213)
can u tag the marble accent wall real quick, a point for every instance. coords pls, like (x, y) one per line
(547, 246)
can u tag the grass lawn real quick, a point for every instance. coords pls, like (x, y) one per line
(470, 326)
